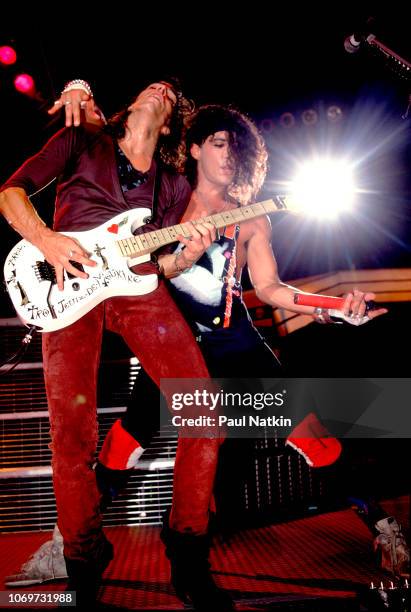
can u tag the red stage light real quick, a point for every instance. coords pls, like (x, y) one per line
(7, 55)
(24, 83)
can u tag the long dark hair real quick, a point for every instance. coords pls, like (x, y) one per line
(171, 149)
(246, 146)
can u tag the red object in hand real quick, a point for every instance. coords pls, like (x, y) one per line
(314, 442)
(319, 301)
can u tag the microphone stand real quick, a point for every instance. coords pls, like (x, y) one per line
(398, 63)
(402, 63)
(405, 115)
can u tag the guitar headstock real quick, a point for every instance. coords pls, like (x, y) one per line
(280, 202)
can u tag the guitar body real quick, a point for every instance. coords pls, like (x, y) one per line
(31, 284)
(113, 246)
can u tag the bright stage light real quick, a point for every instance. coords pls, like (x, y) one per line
(24, 83)
(334, 114)
(322, 188)
(309, 116)
(8, 55)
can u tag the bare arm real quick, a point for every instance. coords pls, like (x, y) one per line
(57, 248)
(16, 207)
(262, 268)
(263, 272)
(202, 235)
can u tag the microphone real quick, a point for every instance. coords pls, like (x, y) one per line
(397, 63)
(352, 43)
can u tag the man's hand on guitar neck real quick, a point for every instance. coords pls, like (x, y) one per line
(60, 251)
(202, 235)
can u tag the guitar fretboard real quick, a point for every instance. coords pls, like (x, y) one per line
(146, 243)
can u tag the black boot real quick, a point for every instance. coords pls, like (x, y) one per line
(84, 576)
(190, 570)
(110, 482)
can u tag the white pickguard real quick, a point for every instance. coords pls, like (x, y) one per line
(39, 302)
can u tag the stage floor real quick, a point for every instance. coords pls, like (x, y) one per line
(301, 564)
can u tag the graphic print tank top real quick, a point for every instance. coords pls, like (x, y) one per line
(208, 293)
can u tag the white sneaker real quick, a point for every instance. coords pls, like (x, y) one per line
(47, 563)
(392, 548)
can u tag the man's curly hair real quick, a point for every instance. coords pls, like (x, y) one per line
(246, 146)
(171, 149)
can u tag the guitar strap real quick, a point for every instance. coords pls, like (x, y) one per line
(154, 199)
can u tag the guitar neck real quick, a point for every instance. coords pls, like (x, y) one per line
(150, 241)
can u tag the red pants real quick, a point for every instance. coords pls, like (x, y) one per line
(157, 334)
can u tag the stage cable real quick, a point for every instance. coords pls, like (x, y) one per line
(15, 359)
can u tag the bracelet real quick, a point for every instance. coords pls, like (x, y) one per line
(78, 84)
(176, 265)
(187, 263)
(321, 315)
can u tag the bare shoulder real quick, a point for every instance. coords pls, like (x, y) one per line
(259, 227)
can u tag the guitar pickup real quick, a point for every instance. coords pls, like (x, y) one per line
(76, 265)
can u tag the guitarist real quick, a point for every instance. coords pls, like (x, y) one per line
(227, 168)
(101, 172)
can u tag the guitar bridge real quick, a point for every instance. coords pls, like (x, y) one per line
(45, 272)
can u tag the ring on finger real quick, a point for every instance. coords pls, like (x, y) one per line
(83, 104)
(67, 102)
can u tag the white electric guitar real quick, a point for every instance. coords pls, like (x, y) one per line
(31, 280)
